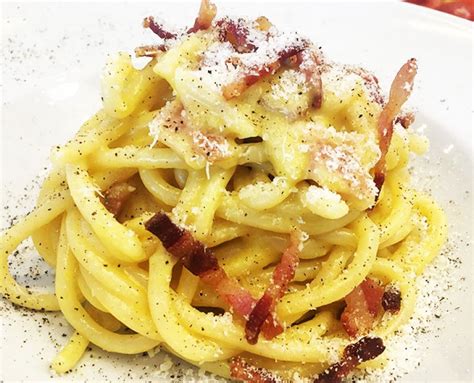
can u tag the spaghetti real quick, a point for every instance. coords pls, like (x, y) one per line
(241, 201)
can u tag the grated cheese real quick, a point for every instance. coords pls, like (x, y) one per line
(290, 83)
(337, 81)
(216, 59)
(315, 194)
(405, 350)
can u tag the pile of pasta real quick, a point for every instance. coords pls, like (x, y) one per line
(241, 202)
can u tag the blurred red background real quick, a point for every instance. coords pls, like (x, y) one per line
(461, 8)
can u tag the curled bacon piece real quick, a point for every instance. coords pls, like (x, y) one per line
(236, 88)
(362, 306)
(115, 197)
(181, 244)
(392, 300)
(202, 262)
(241, 370)
(400, 90)
(149, 50)
(207, 12)
(298, 54)
(282, 275)
(363, 350)
(236, 33)
(158, 29)
(405, 119)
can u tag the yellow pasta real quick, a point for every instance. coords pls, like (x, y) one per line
(244, 153)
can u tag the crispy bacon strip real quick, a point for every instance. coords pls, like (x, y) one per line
(115, 197)
(282, 275)
(158, 29)
(363, 350)
(181, 244)
(272, 327)
(202, 262)
(392, 300)
(230, 290)
(405, 119)
(241, 370)
(400, 90)
(236, 88)
(236, 33)
(299, 56)
(149, 50)
(373, 293)
(362, 306)
(207, 12)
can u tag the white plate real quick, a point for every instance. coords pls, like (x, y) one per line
(53, 54)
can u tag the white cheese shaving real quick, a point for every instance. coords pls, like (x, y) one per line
(217, 147)
(303, 237)
(154, 126)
